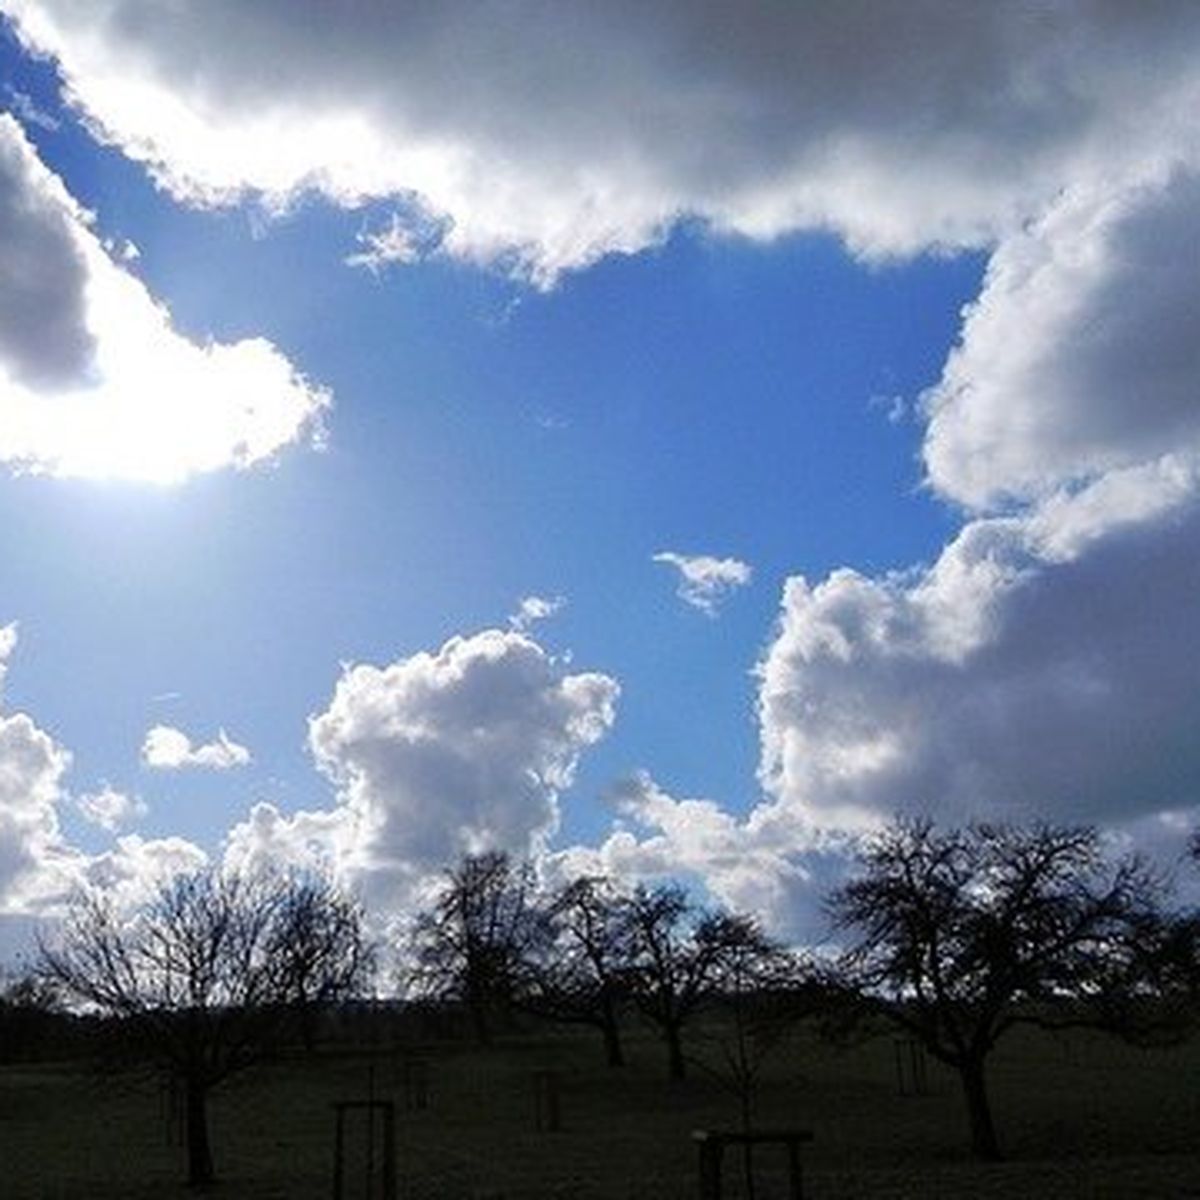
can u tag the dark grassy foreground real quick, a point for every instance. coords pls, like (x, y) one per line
(1083, 1116)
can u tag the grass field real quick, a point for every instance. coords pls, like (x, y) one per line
(1079, 1117)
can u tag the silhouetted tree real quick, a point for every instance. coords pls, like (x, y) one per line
(961, 934)
(476, 943)
(581, 975)
(31, 1014)
(207, 974)
(679, 957)
(324, 948)
(763, 989)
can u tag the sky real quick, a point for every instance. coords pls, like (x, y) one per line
(662, 439)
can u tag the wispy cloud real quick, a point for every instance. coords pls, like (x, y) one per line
(109, 808)
(706, 582)
(27, 109)
(533, 609)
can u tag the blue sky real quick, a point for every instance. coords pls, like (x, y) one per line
(897, 348)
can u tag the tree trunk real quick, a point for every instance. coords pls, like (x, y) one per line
(199, 1153)
(675, 1064)
(979, 1109)
(614, 1054)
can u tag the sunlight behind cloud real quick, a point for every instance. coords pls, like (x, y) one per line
(134, 400)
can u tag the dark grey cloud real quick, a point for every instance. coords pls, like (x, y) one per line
(560, 131)
(44, 337)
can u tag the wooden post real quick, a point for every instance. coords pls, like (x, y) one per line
(385, 1110)
(710, 1164)
(795, 1179)
(547, 1107)
(911, 1076)
(712, 1148)
(415, 1079)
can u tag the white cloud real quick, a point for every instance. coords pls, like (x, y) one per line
(1081, 355)
(136, 866)
(33, 856)
(32, 765)
(94, 382)
(39, 868)
(24, 107)
(752, 865)
(1044, 666)
(533, 609)
(170, 749)
(109, 808)
(545, 138)
(268, 839)
(705, 582)
(406, 238)
(446, 753)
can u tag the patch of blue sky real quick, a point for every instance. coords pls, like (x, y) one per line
(487, 442)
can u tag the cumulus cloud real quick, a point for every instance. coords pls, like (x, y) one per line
(94, 382)
(170, 749)
(109, 808)
(34, 859)
(754, 865)
(1043, 666)
(136, 866)
(1080, 355)
(545, 136)
(441, 754)
(705, 582)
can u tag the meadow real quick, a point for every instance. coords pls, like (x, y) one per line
(1079, 1115)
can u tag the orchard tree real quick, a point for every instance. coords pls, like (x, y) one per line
(209, 972)
(680, 958)
(958, 935)
(477, 941)
(581, 974)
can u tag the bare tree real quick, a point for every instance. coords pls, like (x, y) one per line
(324, 951)
(680, 956)
(207, 974)
(581, 974)
(476, 943)
(961, 934)
(764, 990)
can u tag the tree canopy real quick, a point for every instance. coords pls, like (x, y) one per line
(960, 934)
(209, 971)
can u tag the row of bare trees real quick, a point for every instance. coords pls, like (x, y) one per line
(956, 936)
(584, 953)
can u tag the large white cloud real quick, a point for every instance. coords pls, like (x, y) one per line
(94, 381)
(1044, 666)
(548, 134)
(32, 766)
(1081, 353)
(441, 754)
